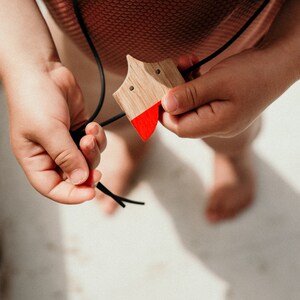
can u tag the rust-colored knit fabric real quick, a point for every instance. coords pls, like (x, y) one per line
(152, 30)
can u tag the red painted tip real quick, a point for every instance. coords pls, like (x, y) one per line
(146, 122)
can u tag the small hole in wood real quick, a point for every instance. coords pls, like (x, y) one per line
(131, 88)
(157, 71)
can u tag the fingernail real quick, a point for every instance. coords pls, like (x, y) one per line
(170, 103)
(77, 176)
(92, 144)
(96, 130)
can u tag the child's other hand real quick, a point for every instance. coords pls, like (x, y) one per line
(43, 107)
(228, 98)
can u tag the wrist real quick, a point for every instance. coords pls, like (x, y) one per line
(20, 69)
(40, 62)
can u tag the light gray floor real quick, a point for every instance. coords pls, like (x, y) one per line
(164, 250)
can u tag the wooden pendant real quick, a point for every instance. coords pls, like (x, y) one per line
(140, 94)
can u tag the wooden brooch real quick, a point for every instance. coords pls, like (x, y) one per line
(140, 94)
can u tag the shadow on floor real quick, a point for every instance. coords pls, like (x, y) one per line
(174, 182)
(257, 254)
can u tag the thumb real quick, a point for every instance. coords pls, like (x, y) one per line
(190, 95)
(64, 152)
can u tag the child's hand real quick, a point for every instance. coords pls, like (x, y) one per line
(228, 98)
(43, 107)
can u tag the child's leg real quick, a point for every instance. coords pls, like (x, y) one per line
(124, 149)
(234, 184)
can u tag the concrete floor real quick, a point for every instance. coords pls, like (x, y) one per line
(165, 250)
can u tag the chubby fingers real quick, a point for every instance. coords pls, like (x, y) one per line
(198, 108)
(55, 183)
(46, 177)
(190, 95)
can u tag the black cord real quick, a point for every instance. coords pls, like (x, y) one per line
(113, 119)
(228, 43)
(117, 198)
(79, 133)
(97, 60)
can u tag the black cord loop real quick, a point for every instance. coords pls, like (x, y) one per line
(79, 133)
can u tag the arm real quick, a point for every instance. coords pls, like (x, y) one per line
(44, 103)
(228, 98)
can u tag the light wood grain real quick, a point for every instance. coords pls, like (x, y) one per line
(145, 85)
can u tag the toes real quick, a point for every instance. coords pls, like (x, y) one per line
(221, 215)
(234, 187)
(216, 208)
(226, 203)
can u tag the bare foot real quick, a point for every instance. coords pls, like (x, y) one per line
(119, 162)
(233, 188)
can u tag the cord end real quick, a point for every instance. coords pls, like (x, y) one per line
(117, 198)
